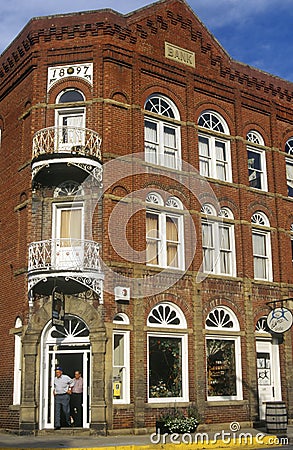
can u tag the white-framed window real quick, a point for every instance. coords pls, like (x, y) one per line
(289, 166)
(167, 354)
(121, 362)
(164, 232)
(218, 242)
(223, 354)
(162, 133)
(256, 156)
(70, 121)
(17, 362)
(214, 147)
(261, 247)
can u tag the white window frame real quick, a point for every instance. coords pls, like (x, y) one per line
(238, 368)
(17, 362)
(223, 317)
(125, 385)
(261, 220)
(262, 171)
(211, 160)
(159, 145)
(217, 249)
(162, 242)
(289, 163)
(169, 316)
(75, 134)
(184, 368)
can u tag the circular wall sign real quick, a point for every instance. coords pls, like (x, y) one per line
(280, 320)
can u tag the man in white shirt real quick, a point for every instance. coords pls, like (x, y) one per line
(62, 390)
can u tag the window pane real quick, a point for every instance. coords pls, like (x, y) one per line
(259, 244)
(289, 172)
(208, 247)
(70, 226)
(170, 147)
(151, 142)
(118, 366)
(260, 268)
(204, 157)
(221, 368)
(172, 241)
(165, 367)
(254, 169)
(221, 160)
(152, 235)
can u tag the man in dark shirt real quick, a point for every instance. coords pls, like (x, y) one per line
(76, 399)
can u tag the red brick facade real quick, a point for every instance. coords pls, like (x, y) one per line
(127, 54)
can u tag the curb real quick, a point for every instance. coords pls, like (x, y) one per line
(258, 441)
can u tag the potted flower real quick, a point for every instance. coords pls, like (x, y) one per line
(178, 421)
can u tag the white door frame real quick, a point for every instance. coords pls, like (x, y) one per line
(50, 349)
(269, 377)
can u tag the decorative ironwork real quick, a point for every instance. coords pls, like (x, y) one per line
(72, 140)
(68, 188)
(64, 254)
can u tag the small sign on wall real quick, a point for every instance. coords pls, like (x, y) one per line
(280, 320)
(58, 308)
(179, 54)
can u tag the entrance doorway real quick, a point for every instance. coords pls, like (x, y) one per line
(68, 347)
(268, 373)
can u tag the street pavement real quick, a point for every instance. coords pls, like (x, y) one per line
(248, 438)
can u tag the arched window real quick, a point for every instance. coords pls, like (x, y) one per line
(214, 149)
(218, 241)
(17, 362)
(257, 172)
(70, 96)
(289, 166)
(261, 247)
(70, 121)
(68, 188)
(262, 326)
(162, 133)
(167, 354)
(223, 350)
(164, 232)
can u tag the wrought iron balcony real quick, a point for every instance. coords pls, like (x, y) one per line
(67, 139)
(71, 264)
(68, 152)
(63, 255)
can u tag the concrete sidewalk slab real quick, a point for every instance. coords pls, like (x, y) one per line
(246, 438)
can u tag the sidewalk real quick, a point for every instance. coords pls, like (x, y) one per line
(72, 439)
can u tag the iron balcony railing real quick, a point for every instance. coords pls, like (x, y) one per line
(72, 140)
(64, 254)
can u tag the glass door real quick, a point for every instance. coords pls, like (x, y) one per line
(268, 374)
(68, 239)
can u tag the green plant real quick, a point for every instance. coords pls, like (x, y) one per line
(179, 421)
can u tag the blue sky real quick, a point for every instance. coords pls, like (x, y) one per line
(255, 32)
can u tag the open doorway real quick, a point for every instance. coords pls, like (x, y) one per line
(69, 348)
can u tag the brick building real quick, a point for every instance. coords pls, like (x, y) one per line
(147, 178)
